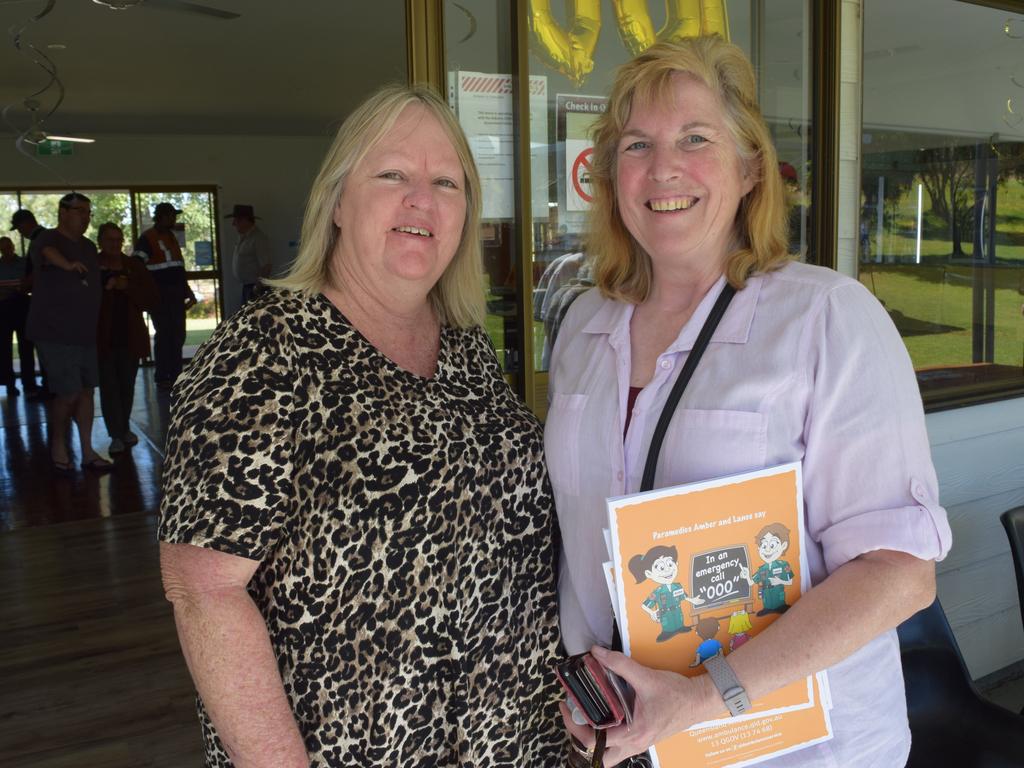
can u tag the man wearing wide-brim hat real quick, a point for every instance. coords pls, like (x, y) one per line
(253, 257)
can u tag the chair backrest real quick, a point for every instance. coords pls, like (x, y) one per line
(929, 629)
(1013, 522)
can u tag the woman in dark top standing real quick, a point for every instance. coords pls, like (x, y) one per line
(122, 339)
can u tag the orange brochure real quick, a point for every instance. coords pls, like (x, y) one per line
(699, 569)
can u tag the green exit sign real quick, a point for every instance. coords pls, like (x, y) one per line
(47, 147)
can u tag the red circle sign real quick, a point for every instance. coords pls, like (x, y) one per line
(581, 175)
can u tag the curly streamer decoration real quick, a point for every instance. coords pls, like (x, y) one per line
(44, 62)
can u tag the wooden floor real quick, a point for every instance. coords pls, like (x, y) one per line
(90, 669)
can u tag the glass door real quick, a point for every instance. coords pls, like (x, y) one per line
(196, 230)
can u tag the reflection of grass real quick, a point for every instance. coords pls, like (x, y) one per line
(198, 330)
(944, 296)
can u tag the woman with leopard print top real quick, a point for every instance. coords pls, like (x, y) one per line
(356, 529)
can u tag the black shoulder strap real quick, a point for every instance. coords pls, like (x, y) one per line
(706, 331)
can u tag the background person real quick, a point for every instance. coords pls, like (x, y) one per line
(159, 250)
(356, 522)
(23, 221)
(252, 259)
(804, 366)
(122, 337)
(62, 323)
(13, 312)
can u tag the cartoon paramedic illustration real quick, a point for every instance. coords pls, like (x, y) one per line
(775, 575)
(665, 603)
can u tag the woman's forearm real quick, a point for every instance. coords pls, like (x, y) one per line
(225, 643)
(856, 603)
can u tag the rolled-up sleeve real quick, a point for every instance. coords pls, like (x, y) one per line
(869, 482)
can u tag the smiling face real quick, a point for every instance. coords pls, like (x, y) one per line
(403, 207)
(679, 178)
(771, 547)
(663, 570)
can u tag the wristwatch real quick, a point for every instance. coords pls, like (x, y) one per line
(728, 685)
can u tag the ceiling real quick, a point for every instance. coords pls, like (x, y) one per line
(282, 68)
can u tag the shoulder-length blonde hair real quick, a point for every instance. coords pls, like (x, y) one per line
(458, 295)
(622, 269)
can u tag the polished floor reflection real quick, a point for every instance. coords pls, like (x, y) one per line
(91, 670)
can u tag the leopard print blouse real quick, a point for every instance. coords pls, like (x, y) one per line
(404, 528)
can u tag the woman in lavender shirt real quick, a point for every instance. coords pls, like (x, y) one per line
(804, 366)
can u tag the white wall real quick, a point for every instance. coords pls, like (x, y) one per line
(271, 173)
(979, 457)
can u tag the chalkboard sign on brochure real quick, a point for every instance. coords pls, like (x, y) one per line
(715, 576)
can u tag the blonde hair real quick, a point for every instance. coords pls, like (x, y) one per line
(622, 269)
(457, 298)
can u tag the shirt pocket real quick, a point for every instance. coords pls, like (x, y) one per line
(708, 444)
(561, 441)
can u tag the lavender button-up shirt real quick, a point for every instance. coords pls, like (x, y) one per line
(805, 366)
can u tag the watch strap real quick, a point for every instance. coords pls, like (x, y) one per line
(725, 680)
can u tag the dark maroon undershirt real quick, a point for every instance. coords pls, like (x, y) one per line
(630, 402)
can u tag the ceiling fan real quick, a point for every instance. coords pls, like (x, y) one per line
(36, 135)
(179, 6)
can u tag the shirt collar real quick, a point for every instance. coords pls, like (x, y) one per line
(613, 318)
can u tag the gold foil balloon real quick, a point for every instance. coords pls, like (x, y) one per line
(572, 52)
(683, 18)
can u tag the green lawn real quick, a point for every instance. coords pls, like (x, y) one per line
(932, 307)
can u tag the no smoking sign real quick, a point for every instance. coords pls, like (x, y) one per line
(581, 175)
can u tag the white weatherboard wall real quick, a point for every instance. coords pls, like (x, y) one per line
(272, 173)
(979, 457)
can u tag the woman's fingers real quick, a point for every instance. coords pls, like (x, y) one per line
(583, 733)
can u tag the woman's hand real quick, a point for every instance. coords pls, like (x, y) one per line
(665, 704)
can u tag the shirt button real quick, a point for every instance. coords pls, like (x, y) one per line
(619, 475)
(666, 364)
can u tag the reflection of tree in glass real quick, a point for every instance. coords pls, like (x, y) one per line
(946, 170)
(114, 207)
(948, 175)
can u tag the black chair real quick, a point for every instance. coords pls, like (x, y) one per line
(1013, 522)
(951, 724)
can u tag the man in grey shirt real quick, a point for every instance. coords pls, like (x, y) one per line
(252, 259)
(62, 322)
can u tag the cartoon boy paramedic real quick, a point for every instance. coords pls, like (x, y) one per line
(665, 603)
(775, 575)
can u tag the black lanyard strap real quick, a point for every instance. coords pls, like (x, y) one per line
(676, 394)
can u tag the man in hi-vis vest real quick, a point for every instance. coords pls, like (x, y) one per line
(159, 249)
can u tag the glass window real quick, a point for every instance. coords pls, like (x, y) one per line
(573, 50)
(196, 231)
(942, 188)
(479, 58)
(574, 62)
(8, 205)
(110, 205)
(132, 210)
